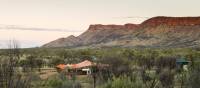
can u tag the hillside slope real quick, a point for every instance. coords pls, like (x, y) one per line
(64, 42)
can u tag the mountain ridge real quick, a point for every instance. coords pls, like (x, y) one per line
(155, 32)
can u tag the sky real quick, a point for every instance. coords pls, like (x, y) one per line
(36, 22)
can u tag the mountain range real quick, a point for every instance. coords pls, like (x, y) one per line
(155, 32)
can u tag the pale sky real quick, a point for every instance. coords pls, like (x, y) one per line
(74, 16)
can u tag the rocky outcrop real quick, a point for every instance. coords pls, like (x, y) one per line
(154, 32)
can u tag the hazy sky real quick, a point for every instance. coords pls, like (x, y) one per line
(74, 16)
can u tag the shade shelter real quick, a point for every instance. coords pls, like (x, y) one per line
(83, 64)
(182, 61)
(61, 66)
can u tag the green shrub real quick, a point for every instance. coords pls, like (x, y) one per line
(194, 72)
(57, 81)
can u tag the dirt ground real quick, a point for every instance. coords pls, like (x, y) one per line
(47, 72)
(85, 80)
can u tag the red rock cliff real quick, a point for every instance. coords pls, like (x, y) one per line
(172, 21)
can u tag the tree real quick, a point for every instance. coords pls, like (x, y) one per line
(9, 76)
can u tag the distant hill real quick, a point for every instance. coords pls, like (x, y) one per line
(155, 32)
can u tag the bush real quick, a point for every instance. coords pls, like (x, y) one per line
(166, 78)
(124, 82)
(117, 65)
(166, 62)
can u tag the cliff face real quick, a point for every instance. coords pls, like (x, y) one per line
(154, 32)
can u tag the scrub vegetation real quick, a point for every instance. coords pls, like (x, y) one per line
(128, 68)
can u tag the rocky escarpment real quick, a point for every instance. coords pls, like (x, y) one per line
(154, 32)
(170, 32)
(171, 21)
